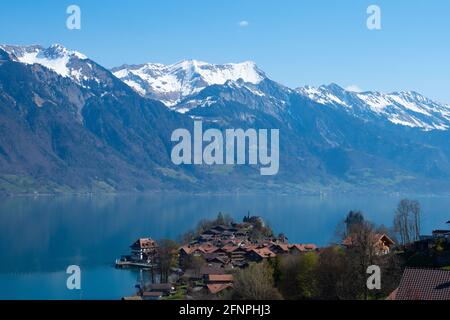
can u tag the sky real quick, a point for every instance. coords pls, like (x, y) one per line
(296, 42)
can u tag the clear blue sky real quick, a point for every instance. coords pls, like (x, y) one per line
(296, 42)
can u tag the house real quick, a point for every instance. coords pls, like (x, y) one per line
(216, 288)
(220, 278)
(382, 243)
(423, 284)
(206, 271)
(143, 249)
(280, 248)
(237, 256)
(197, 250)
(260, 254)
(301, 248)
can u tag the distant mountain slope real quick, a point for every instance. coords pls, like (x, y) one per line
(57, 135)
(67, 124)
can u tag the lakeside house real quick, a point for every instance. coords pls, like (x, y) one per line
(143, 249)
(423, 284)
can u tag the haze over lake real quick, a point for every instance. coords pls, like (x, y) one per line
(41, 236)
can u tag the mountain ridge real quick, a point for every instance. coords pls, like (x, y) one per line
(100, 135)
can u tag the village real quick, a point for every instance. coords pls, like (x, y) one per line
(222, 256)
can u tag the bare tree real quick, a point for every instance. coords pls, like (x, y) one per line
(407, 220)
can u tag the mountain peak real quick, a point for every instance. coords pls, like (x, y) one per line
(171, 83)
(56, 57)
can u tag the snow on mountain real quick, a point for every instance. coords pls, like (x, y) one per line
(172, 83)
(65, 62)
(409, 109)
(180, 86)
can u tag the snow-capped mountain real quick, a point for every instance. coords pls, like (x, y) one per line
(409, 109)
(191, 84)
(104, 135)
(172, 83)
(67, 63)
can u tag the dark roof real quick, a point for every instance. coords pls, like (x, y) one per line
(441, 231)
(152, 294)
(424, 284)
(161, 287)
(207, 270)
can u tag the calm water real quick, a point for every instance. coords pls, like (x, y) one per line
(40, 237)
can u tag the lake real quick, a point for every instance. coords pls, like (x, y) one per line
(41, 236)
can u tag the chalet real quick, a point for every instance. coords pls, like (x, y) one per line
(423, 284)
(197, 250)
(382, 243)
(143, 249)
(220, 278)
(260, 254)
(205, 271)
(279, 248)
(216, 288)
(238, 256)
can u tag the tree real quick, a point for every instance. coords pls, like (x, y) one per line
(255, 283)
(298, 276)
(354, 218)
(407, 220)
(166, 253)
(330, 274)
(194, 262)
(306, 278)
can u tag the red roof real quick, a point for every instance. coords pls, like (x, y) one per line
(303, 247)
(264, 252)
(220, 278)
(283, 246)
(143, 243)
(229, 248)
(349, 241)
(206, 248)
(215, 288)
(424, 284)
